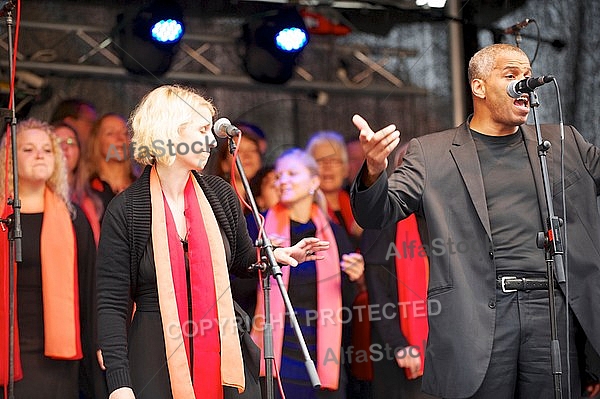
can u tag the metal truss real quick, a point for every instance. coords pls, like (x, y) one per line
(90, 52)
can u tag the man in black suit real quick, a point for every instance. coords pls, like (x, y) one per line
(478, 195)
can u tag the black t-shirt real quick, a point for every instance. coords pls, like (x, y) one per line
(512, 203)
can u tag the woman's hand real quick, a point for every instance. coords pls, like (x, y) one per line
(305, 250)
(353, 265)
(592, 390)
(100, 359)
(355, 229)
(122, 393)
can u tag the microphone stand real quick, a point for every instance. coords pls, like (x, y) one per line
(498, 34)
(13, 222)
(272, 268)
(551, 241)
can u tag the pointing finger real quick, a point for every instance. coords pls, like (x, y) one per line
(360, 122)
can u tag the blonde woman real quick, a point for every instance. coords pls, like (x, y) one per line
(167, 244)
(318, 287)
(54, 285)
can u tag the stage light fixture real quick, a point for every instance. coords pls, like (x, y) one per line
(431, 3)
(273, 41)
(148, 40)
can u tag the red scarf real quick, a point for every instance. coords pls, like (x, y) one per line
(360, 367)
(89, 208)
(60, 290)
(412, 276)
(217, 358)
(345, 210)
(361, 326)
(329, 297)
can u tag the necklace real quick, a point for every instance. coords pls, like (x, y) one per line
(178, 211)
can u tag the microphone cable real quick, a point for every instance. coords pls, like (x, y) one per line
(565, 233)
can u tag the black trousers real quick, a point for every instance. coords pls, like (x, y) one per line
(390, 382)
(520, 365)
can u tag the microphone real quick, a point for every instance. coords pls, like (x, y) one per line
(223, 128)
(516, 28)
(516, 88)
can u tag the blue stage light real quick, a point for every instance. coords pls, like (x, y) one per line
(273, 41)
(147, 40)
(167, 31)
(291, 39)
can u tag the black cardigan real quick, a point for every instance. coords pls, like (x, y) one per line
(126, 230)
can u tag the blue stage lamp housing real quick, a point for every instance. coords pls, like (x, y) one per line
(148, 39)
(273, 41)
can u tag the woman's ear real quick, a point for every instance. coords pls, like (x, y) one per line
(315, 183)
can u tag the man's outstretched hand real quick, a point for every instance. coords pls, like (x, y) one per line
(376, 146)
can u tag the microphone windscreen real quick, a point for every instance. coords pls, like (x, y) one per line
(220, 127)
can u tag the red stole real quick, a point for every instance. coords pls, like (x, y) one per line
(361, 367)
(412, 277)
(60, 289)
(361, 326)
(89, 208)
(217, 358)
(345, 210)
(202, 328)
(4, 310)
(329, 299)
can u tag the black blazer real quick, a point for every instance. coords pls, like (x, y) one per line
(440, 180)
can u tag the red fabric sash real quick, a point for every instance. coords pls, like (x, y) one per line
(202, 328)
(207, 252)
(4, 310)
(89, 208)
(412, 276)
(60, 289)
(346, 211)
(361, 365)
(329, 299)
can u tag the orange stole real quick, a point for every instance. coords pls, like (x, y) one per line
(329, 298)
(60, 285)
(60, 288)
(412, 277)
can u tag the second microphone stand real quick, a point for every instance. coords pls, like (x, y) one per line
(12, 222)
(552, 242)
(270, 267)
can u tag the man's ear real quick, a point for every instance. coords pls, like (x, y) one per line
(478, 88)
